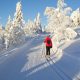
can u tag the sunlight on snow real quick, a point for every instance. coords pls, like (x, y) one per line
(38, 62)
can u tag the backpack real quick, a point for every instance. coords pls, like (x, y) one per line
(48, 41)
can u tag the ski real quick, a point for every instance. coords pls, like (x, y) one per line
(47, 58)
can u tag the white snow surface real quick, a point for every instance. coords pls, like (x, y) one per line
(28, 61)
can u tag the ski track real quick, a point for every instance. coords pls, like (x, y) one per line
(36, 66)
(12, 52)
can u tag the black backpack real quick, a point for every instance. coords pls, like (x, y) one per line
(48, 41)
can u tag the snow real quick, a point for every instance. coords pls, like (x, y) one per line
(22, 51)
(28, 62)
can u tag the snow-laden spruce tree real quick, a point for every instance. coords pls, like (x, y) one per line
(8, 24)
(8, 33)
(18, 16)
(1, 35)
(37, 23)
(1, 38)
(33, 27)
(29, 27)
(75, 16)
(14, 33)
(17, 31)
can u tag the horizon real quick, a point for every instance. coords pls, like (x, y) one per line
(30, 9)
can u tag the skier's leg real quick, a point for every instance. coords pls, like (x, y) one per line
(46, 50)
(49, 52)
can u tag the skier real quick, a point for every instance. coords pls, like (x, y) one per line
(48, 43)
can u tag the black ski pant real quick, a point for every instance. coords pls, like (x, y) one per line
(47, 50)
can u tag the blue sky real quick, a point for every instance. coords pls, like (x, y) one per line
(30, 8)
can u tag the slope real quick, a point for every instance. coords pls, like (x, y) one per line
(28, 62)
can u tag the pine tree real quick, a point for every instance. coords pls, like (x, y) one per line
(9, 24)
(18, 16)
(1, 38)
(30, 27)
(33, 27)
(14, 33)
(1, 31)
(37, 23)
(18, 24)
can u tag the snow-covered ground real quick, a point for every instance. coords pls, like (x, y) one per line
(28, 62)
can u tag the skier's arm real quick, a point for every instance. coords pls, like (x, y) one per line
(51, 43)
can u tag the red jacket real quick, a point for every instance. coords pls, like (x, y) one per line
(46, 42)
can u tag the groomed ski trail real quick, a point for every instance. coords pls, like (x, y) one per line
(28, 63)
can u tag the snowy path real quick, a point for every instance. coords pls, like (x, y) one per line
(29, 63)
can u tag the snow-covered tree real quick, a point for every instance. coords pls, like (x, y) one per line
(14, 33)
(7, 39)
(17, 31)
(58, 21)
(7, 33)
(37, 23)
(75, 16)
(30, 27)
(18, 16)
(58, 18)
(33, 26)
(1, 37)
(60, 4)
(70, 34)
(9, 24)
